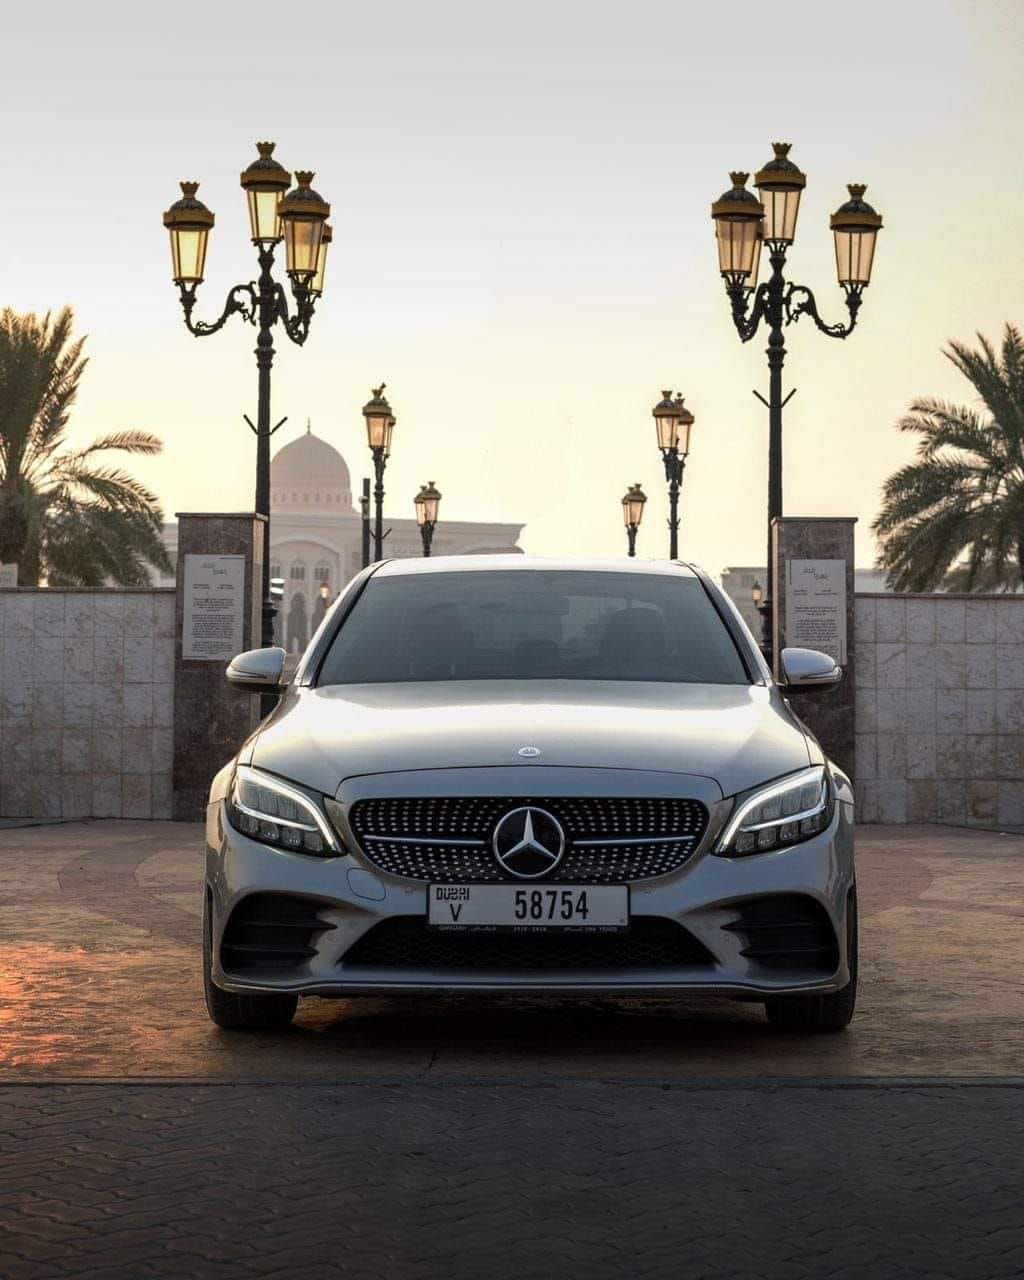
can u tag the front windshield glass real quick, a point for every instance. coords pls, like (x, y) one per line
(533, 625)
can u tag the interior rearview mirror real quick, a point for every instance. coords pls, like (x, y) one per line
(804, 670)
(257, 669)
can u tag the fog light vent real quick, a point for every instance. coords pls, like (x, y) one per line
(271, 931)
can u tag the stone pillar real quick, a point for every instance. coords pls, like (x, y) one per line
(211, 719)
(825, 539)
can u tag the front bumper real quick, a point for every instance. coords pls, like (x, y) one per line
(707, 897)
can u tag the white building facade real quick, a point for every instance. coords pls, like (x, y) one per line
(316, 534)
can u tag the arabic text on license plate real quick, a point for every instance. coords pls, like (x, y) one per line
(526, 907)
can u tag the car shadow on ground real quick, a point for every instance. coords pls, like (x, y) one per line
(513, 1036)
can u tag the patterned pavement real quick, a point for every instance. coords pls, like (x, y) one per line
(453, 1180)
(476, 1138)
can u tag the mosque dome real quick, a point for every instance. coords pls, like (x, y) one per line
(310, 474)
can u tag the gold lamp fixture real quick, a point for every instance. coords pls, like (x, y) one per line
(780, 184)
(303, 213)
(189, 222)
(427, 502)
(633, 502)
(738, 217)
(855, 227)
(264, 183)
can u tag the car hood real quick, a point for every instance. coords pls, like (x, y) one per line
(737, 735)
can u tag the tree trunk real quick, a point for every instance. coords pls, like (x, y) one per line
(13, 534)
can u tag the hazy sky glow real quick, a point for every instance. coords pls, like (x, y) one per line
(522, 242)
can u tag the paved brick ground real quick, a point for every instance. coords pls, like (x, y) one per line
(473, 1138)
(452, 1181)
(100, 925)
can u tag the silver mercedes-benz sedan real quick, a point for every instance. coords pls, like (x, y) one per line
(506, 774)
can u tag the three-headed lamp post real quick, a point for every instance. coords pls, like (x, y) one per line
(743, 224)
(427, 502)
(298, 217)
(673, 422)
(633, 502)
(380, 424)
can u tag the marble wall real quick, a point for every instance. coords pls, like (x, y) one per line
(86, 703)
(940, 709)
(87, 700)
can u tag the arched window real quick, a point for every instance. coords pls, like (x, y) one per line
(322, 572)
(275, 571)
(297, 573)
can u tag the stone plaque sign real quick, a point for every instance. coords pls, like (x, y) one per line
(214, 597)
(816, 606)
(8, 575)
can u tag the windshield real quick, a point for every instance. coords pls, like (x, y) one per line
(533, 625)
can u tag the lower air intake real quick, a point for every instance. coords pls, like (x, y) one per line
(787, 931)
(271, 931)
(406, 943)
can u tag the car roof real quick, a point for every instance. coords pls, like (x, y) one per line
(524, 564)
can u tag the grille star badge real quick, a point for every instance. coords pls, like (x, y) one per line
(528, 842)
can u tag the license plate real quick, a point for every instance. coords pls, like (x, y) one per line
(584, 908)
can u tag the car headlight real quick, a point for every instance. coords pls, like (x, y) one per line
(269, 810)
(781, 814)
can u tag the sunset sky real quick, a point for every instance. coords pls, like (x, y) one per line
(522, 242)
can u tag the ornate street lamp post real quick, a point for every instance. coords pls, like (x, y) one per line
(275, 213)
(633, 501)
(380, 423)
(427, 501)
(674, 423)
(743, 223)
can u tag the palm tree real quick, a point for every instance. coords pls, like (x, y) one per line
(66, 514)
(959, 509)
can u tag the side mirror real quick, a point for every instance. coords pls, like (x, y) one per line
(806, 669)
(257, 670)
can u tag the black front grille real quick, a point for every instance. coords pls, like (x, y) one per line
(271, 931)
(447, 840)
(787, 931)
(406, 942)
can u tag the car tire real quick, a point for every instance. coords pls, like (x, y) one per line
(233, 1011)
(822, 1013)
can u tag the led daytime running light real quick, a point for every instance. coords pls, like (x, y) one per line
(780, 829)
(266, 825)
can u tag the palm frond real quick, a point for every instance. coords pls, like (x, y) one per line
(961, 503)
(125, 441)
(986, 372)
(61, 514)
(113, 488)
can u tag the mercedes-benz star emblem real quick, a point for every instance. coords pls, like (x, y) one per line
(529, 842)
